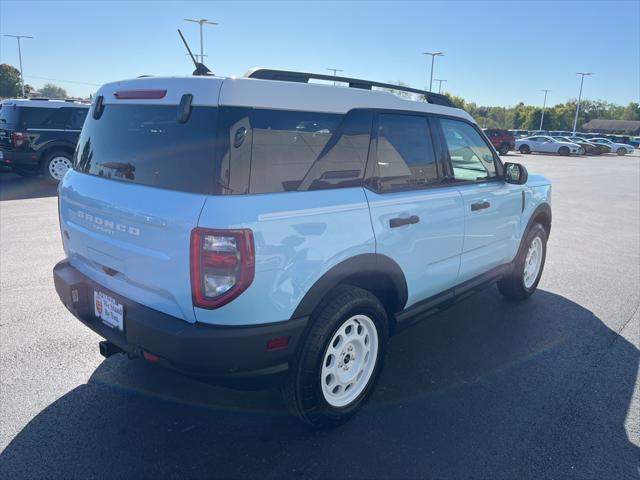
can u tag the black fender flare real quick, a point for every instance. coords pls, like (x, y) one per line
(54, 145)
(545, 209)
(367, 264)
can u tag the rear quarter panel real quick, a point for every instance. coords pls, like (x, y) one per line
(298, 237)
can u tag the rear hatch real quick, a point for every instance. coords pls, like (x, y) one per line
(9, 118)
(139, 183)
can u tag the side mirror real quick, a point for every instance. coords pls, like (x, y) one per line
(515, 173)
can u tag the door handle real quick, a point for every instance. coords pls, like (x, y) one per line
(480, 206)
(398, 222)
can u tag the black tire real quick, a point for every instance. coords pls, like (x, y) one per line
(564, 151)
(45, 169)
(513, 286)
(595, 151)
(524, 149)
(504, 149)
(302, 388)
(621, 151)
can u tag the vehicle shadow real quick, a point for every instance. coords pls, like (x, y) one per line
(15, 187)
(487, 389)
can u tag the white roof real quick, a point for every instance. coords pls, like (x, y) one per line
(26, 102)
(281, 95)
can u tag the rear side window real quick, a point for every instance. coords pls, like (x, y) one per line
(33, 117)
(405, 158)
(269, 151)
(471, 157)
(145, 144)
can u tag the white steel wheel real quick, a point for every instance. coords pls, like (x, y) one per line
(58, 166)
(349, 361)
(533, 262)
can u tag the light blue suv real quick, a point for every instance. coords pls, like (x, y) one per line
(266, 229)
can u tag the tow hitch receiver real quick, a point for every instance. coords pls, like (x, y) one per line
(108, 349)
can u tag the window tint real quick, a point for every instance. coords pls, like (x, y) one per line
(44, 117)
(298, 151)
(471, 158)
(405, 157)
(9, 114)
(76, 118)
(145, 144)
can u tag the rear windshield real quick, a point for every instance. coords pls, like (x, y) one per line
(145, 144)
(8, 114)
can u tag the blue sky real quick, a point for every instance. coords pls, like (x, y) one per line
(497, 53)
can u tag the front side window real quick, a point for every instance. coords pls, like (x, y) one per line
(471, 157)
(405, 158)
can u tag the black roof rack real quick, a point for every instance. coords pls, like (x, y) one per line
(304, 77)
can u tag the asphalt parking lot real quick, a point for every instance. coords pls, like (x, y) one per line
(546, 388)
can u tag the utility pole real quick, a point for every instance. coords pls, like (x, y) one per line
(18, 37)
(439, 84)
(544, 104)
(575, 121)
(433, 56)
(335, 72)
(201, 22)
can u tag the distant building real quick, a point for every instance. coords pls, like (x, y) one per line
(625, 127)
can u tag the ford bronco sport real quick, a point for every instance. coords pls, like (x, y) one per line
(268, 228)
(39, 135)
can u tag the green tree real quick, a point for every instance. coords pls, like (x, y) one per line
(9, 81)
(53, 91)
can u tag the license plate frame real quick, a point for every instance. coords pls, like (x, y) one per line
(108, 310)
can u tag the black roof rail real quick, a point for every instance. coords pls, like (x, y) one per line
(304, 77)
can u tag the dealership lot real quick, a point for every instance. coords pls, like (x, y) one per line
(487, 389)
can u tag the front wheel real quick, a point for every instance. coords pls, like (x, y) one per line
(621, 151)
(55, 165)
(504, 149)
(564, 151)
(581, 151)
(527, 267)
(524, 149)
(336, 367)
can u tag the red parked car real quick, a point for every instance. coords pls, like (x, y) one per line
(502, 140)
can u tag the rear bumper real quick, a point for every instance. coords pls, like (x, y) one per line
(10, 158)
(236, 356)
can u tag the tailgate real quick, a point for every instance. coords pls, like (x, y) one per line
(133, 239)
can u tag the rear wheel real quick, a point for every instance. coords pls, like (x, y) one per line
(524, 149)
(621, 151)
(504, 149)
(55, 165)
(564, 151)
(336, 367)
(527, 267)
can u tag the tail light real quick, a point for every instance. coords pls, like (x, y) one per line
(18, 138)
(222, 265)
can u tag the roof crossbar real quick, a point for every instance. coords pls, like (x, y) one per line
(304, 77)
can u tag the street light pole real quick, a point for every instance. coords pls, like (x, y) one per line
(433, 56)
(544, 104)
(18, 37)
(575, 121)
(439, 84)
(201, 22)
(335, 72)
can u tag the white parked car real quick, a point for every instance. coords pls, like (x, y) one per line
(545, 144)
(619, 148)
